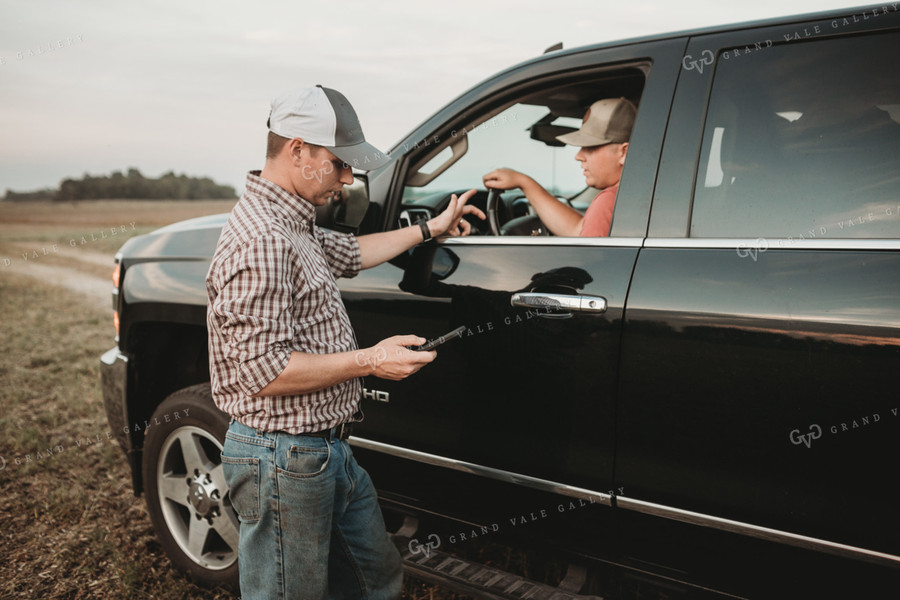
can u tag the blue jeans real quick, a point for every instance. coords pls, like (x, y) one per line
(311, 526)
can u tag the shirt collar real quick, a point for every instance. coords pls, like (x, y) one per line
(295, 205)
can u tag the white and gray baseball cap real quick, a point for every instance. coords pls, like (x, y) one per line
(324, 117)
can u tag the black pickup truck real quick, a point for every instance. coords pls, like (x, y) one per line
(705, 402)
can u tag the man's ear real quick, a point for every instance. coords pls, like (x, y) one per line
(623, 151)
(295, 149)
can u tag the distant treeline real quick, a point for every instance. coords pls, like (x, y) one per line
(168, 186)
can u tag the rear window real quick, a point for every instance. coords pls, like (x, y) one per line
(802, 140)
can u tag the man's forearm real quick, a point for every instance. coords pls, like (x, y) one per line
(376, 248)
(391, 359)
(307, 373)
(561, 219)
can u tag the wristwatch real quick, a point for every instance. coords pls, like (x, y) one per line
(426, 233)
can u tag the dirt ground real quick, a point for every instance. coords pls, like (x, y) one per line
(70, 526)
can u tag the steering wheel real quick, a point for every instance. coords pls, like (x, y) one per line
(529, 224)
(492, 208)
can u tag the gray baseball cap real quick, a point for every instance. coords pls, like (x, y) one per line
(607, 121)
(324, 117)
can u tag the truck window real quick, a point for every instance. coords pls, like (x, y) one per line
(503, 141)
(795, 150)
(520, 135)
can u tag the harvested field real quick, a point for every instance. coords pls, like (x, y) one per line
(70, 525)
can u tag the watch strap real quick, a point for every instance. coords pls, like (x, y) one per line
(426, 232)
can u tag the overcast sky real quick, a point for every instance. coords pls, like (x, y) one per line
(102, 85)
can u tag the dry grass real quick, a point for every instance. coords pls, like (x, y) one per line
(95, 226)
(70, 526)
(86, 235)
(90, 214)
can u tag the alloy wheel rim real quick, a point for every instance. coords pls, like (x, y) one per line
(193, 498)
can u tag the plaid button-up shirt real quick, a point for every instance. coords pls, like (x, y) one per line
(272, 291)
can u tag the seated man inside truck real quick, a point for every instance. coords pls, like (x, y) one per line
(603, 137)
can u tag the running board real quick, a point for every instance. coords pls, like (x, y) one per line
(462, 576)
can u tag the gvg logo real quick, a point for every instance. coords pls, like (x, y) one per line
(753, 250)
(318, 174)
(690, 63)
(815, 432)
(433, 543)
(376, 358)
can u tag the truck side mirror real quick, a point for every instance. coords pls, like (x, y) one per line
(346, 213)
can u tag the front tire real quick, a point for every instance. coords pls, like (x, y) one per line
(186, 493)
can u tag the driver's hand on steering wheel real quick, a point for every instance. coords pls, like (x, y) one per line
(505, 179)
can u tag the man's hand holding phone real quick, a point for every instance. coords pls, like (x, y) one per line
(392, 359)
(400, 356)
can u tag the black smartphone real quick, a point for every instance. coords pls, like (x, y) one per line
(432, 344)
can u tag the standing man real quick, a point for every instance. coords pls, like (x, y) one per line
(285, 365)
(603, 137)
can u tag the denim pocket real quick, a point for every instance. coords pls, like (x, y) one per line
(307, 462)
(242, 477)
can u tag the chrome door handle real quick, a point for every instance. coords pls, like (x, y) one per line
(560, 302)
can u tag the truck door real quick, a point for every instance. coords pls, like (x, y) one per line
(762, 338)
(526, 398)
